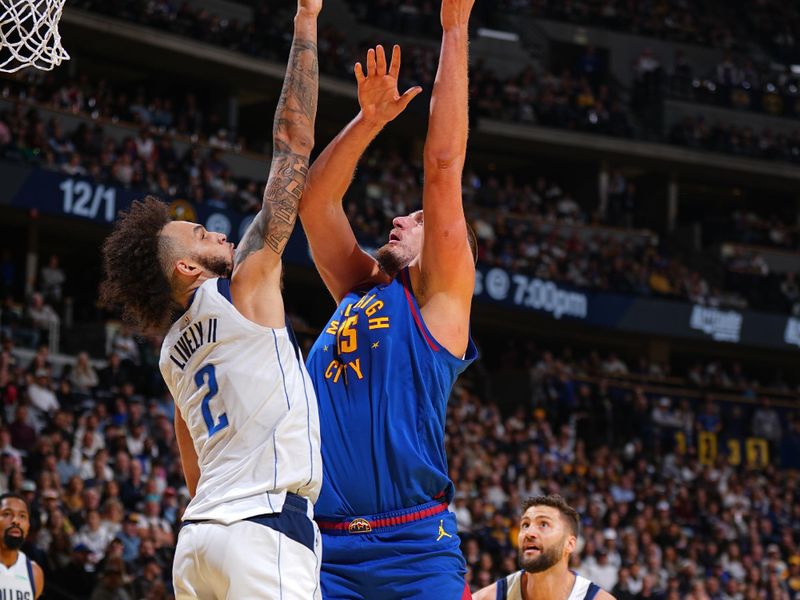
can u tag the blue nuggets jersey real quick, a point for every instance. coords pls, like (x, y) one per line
(382, 382)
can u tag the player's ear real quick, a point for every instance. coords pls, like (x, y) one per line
(569, 547)
(187, 268)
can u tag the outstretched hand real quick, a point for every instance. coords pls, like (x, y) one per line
(455, 13)
(378, 96)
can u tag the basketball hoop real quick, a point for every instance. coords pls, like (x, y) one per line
(29, 34)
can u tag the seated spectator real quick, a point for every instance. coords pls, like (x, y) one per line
(83, 375)
(114, 375)
(51, 281)
(42, 397)
(76, 579)
(113, 582)
(93, 536)
(74, 166)
(124, 345)
(23, 435)
(41, 315)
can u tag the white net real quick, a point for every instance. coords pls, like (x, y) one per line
(29, 34)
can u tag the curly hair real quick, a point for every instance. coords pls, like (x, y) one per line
(135, 279)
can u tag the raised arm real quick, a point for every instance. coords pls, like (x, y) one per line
(341, 263)
(263, 243)
(446, 264)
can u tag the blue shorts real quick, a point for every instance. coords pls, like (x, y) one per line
(410, 561)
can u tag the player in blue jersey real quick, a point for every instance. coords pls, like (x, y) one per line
(387, 359)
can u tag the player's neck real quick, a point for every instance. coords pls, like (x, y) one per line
(8, 557)
(183, 295)
(555, 583)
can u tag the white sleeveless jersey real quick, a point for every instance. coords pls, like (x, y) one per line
(16, 581)
(249, 405)
(510, 588)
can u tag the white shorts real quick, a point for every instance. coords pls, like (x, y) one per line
(274, 556)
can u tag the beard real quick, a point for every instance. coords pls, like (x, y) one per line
(217, 265)
(13, 542)
(390, 261)
(546, 559)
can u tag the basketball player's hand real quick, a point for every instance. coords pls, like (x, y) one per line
(311, 7)
(378, 97)
(455, 13)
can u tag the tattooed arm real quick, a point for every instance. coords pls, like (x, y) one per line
(257, 262)
(293, 139)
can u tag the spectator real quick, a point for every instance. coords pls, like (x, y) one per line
(83, 376)
(23, 435)
(767, 424)
(151, 578)
(51, 281)
(42, 315)
(41, 395)
(113, 583)
(115, 374)
(129, 536)
(124, 345)
(93, 536)
(76, 579)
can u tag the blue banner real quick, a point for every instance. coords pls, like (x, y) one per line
(82, 198)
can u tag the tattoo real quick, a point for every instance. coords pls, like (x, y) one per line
(274, 224)
(293, 138)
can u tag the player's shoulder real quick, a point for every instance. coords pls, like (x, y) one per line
(487, 593)
(38, 577)
(603, 595)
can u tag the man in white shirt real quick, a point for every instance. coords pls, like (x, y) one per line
(41, 395)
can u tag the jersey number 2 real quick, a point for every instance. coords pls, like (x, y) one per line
(200, 378)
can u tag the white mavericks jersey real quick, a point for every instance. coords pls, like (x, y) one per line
(510, 588)
(16, 581)
(249, 405)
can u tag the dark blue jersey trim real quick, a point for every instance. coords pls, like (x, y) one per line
(592, 591)
(224, 288)
(29, 564)
(292, 521)
(502, 588)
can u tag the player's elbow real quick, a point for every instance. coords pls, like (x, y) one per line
(443, 160)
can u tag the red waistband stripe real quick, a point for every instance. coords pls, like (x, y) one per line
(361, 525)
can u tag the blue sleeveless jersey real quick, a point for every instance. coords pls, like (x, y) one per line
(382, 382)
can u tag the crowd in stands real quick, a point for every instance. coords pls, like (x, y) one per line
(158, 108)
(656, 523)
(520, 237)
(775, 24)
(93, 452)
(698, 133)
(544, 231)
(146, 161)
(750, 227)
(667, 19)
(513, 238)
(739, 82)
(565, 99)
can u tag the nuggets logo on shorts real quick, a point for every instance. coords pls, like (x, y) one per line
(359, 526)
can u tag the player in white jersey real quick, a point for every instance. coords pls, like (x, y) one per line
(548, 532)
(246, 421)
(20, 577)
